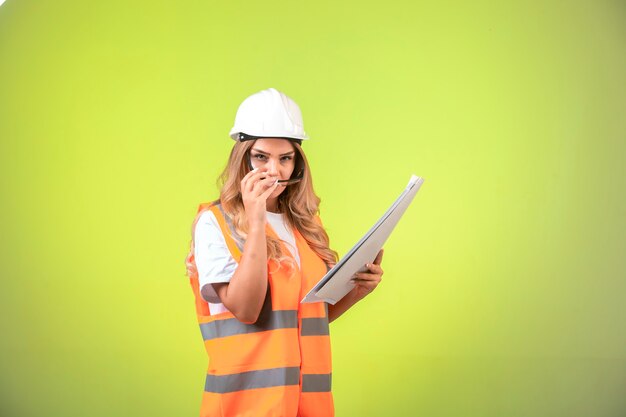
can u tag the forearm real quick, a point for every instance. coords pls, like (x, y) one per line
(245, 294)
(334, 311)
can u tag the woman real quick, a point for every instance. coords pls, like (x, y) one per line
(254, 254)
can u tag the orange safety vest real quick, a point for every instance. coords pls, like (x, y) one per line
(280, 365)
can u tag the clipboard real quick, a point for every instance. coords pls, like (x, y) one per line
(336, 283)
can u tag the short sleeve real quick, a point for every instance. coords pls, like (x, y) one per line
(213, 259)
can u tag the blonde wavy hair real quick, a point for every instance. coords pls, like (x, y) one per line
(298, 202)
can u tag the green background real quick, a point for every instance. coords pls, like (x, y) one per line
(504, 286)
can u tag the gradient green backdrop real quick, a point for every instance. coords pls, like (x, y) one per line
(504, 289)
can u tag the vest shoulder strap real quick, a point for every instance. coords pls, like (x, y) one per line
(233, 240)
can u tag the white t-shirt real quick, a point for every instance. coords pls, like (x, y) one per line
(214, 261)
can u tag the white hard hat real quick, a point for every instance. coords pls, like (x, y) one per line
(268, 113)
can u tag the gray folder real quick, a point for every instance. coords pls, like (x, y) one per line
(336, 283)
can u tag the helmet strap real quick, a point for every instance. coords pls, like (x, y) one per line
(243, 137)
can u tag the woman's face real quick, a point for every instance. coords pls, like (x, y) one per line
(278, 156)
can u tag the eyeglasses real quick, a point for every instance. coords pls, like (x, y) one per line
(293, 180)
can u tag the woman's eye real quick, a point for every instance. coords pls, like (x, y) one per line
(286, 158)
(259, 157)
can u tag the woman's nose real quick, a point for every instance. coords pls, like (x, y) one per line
(272, 167)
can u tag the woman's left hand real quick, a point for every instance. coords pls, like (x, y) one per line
(367, 281)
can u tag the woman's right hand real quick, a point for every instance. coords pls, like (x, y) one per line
(254, 193)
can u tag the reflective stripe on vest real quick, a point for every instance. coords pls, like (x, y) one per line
(222, 384)
(265, 378)
(315, 326)
(281, 319)
(316, 382)
(231, 228)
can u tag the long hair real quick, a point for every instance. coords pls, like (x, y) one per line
(298, 202)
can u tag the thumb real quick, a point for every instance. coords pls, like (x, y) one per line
(379, 257)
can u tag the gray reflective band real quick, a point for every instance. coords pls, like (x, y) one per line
(231, 228)
(279, 319)
(265, 378)
(315, 326)
(316, 382)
